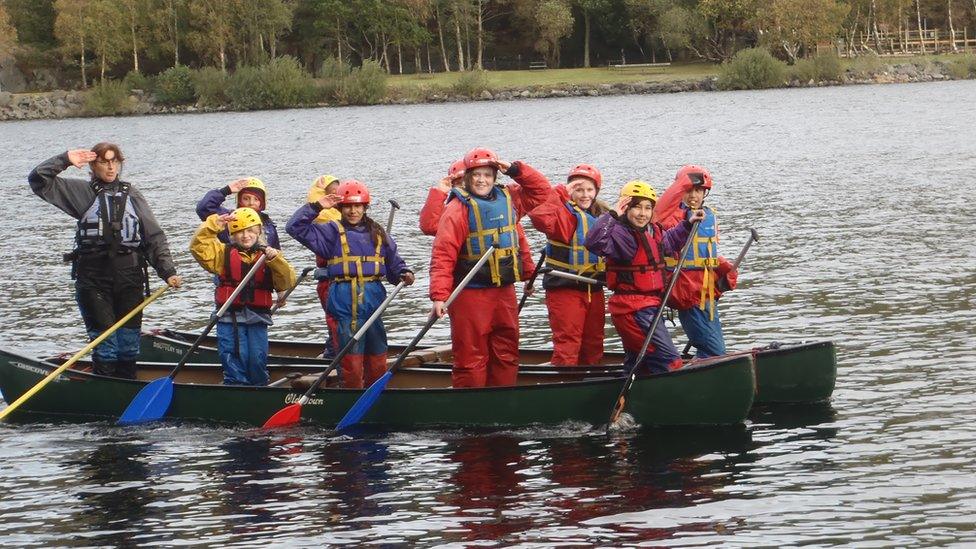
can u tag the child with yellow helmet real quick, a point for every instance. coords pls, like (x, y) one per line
(251, 193)
(324, 185)
(635, 249)
(242, 333)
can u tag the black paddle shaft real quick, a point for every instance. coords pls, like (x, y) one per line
(220, 312)
(531, 281)
(281, 300)
(618, 404)
(394, 206)
(723, 285)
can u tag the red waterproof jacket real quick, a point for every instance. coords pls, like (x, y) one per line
(430, 214)
(529, 190)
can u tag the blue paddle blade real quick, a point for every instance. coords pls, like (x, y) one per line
(150, 404)
(365, 402)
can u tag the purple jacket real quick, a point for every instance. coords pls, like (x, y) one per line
(323, 240)
(611, 237)
(212, 203)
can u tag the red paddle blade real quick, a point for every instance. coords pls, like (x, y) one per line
(289, 415)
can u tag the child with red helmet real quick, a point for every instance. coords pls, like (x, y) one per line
(577, 311)
(696, 291)
(484, 317)
(359, 255)
(430, 214)
(251, 193)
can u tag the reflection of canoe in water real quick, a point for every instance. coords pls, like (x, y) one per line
(713, 392)
(785, 373)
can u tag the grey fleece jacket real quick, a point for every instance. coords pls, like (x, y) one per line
(74, 196)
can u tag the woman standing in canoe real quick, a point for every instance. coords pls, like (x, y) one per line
(484, 317)
(430, 214)
(704, 272)
(359, 255)
(635, 250)
(242, 333)
(116, 236)
(577, 311)
(251, 193)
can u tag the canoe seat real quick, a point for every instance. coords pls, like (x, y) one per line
(302, 383)
(440, 353)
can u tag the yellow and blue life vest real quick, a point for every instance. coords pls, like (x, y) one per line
(573, 257)
(702, 256)
(491, 220)
(357, 270)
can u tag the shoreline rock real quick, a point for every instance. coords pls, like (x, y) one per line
(60, 104)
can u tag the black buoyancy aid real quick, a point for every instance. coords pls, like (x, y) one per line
(257, 294)
(644, 273)
(109, 223)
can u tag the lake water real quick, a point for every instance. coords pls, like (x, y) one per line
(859, 194)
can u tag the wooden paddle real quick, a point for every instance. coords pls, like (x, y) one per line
(369, 396)
(281, 300)
(531, 281)
(153, 400)
(621, 400)
(291, 414)
(94, 343)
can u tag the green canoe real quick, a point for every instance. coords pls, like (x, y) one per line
(713, 392)
(785, 373)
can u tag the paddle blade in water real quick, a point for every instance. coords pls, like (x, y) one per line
(150, 404)
(365, 402)
(289, 415)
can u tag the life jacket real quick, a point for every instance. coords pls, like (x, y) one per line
(573, 257)
(110, 222)
(642, 274)
(256, 295)
(491, 220)
(702, 256)
(355, 269)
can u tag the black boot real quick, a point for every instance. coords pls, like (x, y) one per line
(104, 368)
(125, 369)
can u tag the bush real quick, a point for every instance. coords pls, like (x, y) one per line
(752, 69)
(280, 83)
(803, 70)
(963, 67)
(365, 85)
(107, 99)
(210, 87)
(174, 86)
(137, 81)
(332, 75)
(867, 65)
(471, 83)
(822, 68)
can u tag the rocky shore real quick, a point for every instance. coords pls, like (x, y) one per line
(69, 104)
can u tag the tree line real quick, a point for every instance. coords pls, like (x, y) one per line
(82, 40)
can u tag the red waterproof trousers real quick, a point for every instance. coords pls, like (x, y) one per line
(577, 318)
(485, 335)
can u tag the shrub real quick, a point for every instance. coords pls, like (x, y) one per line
(332, 74)
(963, 67)
(174, 86)
(751, 69)
(108, 98)
(803, 70)
(822, 68)
(137, 81)
(471, 83)
(210, 87)
(280, 83)
(365, 85)
(867, 65)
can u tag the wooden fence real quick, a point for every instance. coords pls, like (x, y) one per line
(909, 42)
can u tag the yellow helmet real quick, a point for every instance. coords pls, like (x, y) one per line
(256, 187)
(319, 185)
(244, 218)
(639, 189)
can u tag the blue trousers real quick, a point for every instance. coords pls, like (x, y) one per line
(705, 335)
(245, 358)
(661, 355)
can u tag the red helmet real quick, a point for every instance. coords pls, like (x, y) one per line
(353, 192)
(480, 156)
(457, 170)
(696, 174)
(588, 171)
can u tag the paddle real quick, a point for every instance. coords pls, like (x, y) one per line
(369, 396)
(572, 276)
(281, 300)
(531, 281)
(618, 406)
(394, 206)
(152, 401)
(94, 343)
(291, 414)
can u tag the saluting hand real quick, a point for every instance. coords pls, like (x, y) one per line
(237, 186)
(329, 201)
(622, 204)
(444, 184)
(503, 166)
(80, 157)
(224, 219)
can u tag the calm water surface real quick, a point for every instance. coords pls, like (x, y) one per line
(861, 195)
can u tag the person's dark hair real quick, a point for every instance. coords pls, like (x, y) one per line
(599, 207)
(375, 229)
(635, 201)
(101, 148)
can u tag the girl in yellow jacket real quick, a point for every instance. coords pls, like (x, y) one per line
(242, 332)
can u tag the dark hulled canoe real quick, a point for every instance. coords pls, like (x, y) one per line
(785, 373)
(714, 392)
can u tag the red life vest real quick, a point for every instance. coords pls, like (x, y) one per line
(256, 295)
(642, 274)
